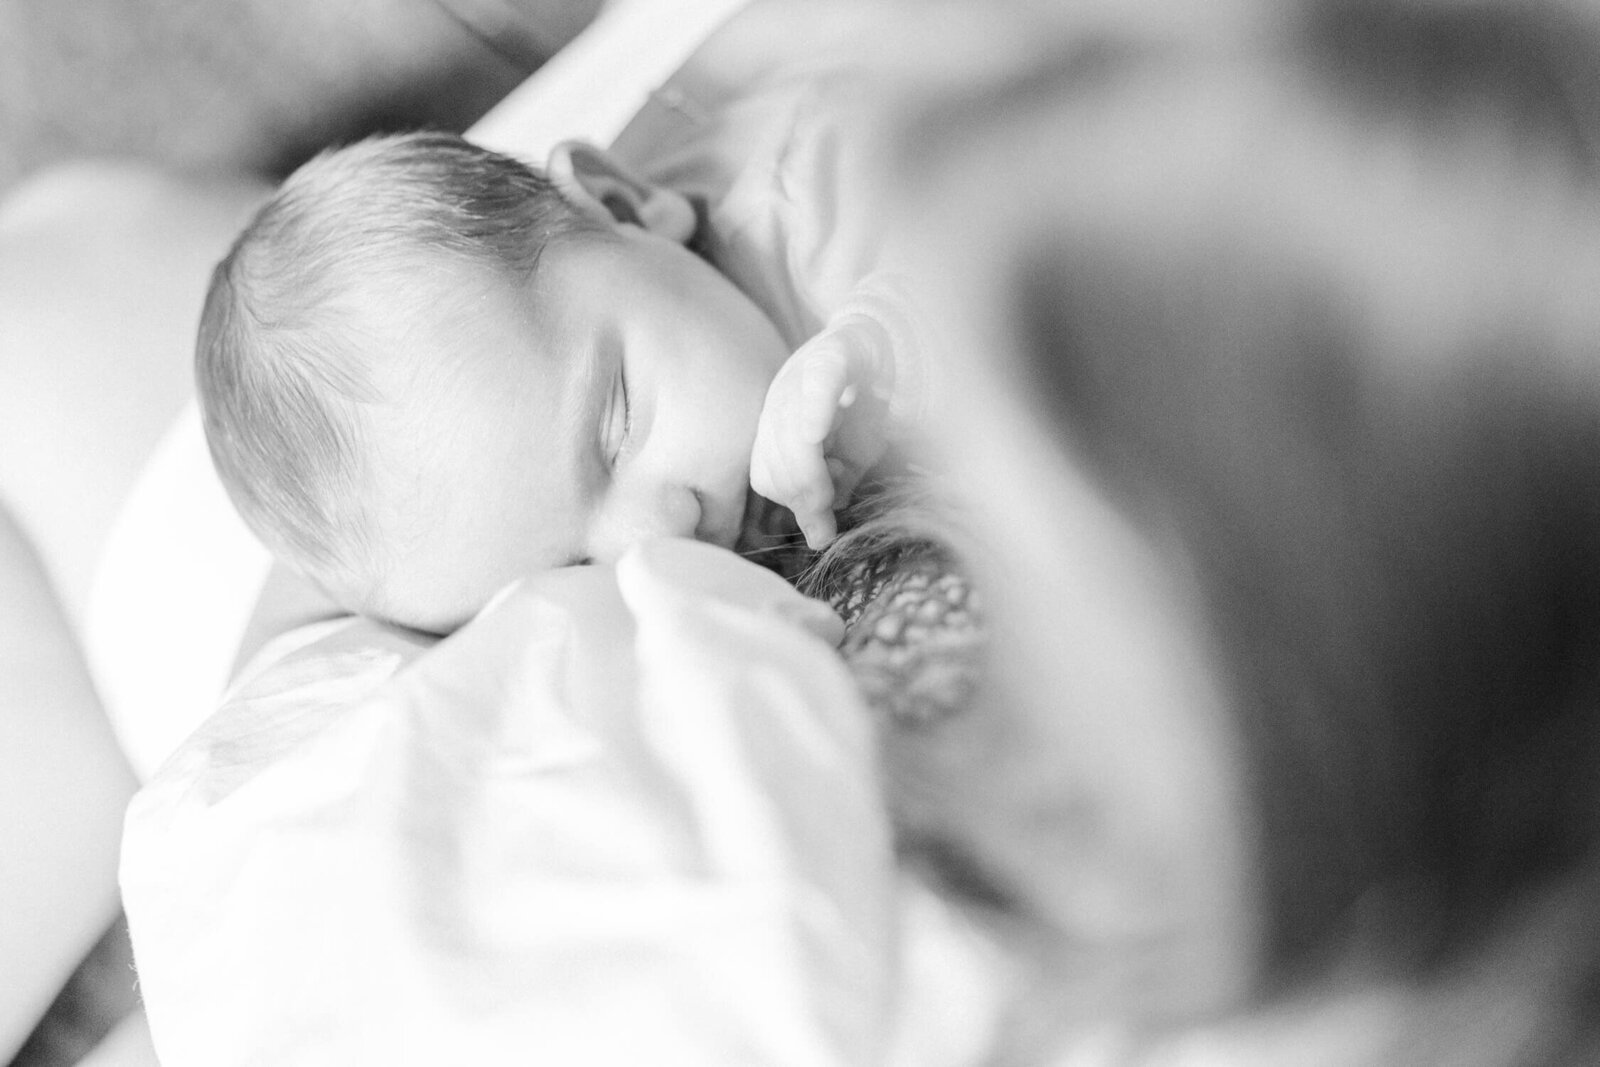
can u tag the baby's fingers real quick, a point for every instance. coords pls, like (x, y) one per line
(787, 464)
(824, 378)
(813, 512)
(794, 474)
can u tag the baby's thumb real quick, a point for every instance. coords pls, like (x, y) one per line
(818, 525)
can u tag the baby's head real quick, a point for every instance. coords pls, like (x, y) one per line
(427, 369)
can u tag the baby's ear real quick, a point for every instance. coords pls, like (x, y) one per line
(601, 186)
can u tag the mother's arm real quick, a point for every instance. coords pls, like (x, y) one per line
(97, 271)
(63, 786)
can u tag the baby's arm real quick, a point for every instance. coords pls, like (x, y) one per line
(837, 404)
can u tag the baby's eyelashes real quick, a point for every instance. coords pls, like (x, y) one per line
(618, 420)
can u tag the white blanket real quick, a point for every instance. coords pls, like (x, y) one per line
(622, 817)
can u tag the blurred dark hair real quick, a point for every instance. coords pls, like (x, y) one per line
(1318, 306)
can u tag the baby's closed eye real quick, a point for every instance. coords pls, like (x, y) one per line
(618, 421)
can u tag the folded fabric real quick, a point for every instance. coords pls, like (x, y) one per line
(622, 817)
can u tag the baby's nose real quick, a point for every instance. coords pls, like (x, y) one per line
(670, 512)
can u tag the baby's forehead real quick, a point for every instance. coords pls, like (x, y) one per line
(475, 377)
(454, 349)
(437, 314)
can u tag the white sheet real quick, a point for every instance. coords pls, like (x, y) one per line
(622, 817)
(177, 581)
(594, 86)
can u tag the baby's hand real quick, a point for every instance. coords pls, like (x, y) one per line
(824, 425)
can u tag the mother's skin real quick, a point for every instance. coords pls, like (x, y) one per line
(98, 271)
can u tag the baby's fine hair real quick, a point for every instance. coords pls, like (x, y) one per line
(283, 365)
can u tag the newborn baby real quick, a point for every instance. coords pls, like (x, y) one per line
(427, 369)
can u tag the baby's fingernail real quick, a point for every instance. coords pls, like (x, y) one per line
(818, 534)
